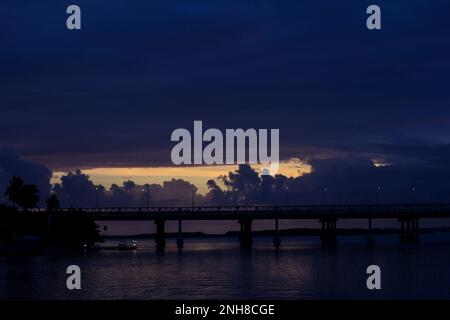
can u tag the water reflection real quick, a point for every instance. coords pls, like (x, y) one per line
(216, 268)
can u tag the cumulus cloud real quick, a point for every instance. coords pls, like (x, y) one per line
(342, 180)
(349, 180)
(77, 190)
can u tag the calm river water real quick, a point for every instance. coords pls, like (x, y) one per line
(215, 268)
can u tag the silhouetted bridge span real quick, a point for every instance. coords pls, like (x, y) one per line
(407, 214)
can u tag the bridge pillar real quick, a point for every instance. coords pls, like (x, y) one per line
(276, 239)
(409, 231)
(417, 231)
(402, 230)
(180, 240)
(328, 231)
(370, 238)
(160, 238)
(245, 236)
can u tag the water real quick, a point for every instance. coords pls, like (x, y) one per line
(215, 268)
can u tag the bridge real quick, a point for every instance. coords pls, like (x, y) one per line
(407, 214)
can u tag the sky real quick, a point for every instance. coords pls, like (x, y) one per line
(106, 98)
(198, 175)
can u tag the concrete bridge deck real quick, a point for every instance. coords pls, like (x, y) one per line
(407, 214)
(302, 212)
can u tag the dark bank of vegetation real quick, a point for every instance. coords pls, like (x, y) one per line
(346, 231)
(167, 235)
(283, 232)
(25, 232)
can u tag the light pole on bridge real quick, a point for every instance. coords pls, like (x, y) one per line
(287, 195)
(413, 190)
(378, 194)
(147, 196)
(96, 197)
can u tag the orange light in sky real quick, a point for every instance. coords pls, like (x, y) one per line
(197, 175)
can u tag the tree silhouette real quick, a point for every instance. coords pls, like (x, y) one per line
(23, 195)
(52, 203)
(29, 196)
(13, 192)
(75, 230)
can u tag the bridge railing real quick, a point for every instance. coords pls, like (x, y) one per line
(261, 209)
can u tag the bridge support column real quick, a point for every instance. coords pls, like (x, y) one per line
(416, 229)
(180, 240)
(370, 238)
(402, 230)
(276, 239)
(328, 232)
(409, 230)
(245, 236)
(160, 238)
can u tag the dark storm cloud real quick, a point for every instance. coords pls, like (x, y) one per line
(112, 93)
(11, 164)
(357, 180)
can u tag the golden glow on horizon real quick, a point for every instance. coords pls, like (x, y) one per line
(197, 175)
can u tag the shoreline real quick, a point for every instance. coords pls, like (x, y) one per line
(284, 232)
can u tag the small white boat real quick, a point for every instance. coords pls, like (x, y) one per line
(123, 245)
